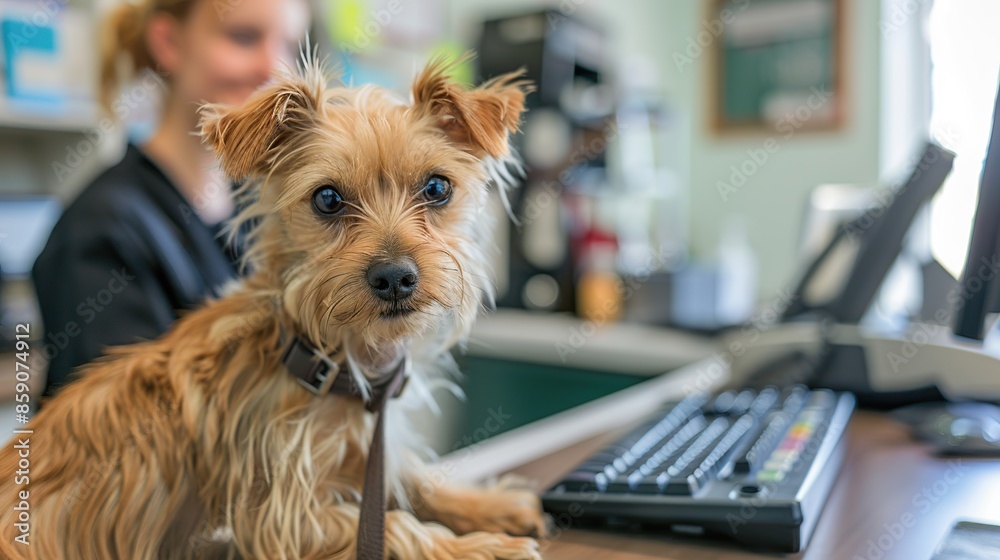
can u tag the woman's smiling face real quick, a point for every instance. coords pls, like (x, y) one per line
(225, 49)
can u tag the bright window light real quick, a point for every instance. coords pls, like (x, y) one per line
(965, 53)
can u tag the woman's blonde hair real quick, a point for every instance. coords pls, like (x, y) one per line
(124, 34)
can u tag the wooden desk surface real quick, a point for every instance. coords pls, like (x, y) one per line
(892, 500)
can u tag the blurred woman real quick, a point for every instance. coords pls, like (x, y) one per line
(142, 241)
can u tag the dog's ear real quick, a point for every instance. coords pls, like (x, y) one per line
(479, 119)
(244, 136)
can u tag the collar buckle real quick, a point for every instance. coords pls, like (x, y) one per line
(314, 370)
(320, 375)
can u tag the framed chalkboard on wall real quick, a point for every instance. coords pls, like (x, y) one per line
(777, 65)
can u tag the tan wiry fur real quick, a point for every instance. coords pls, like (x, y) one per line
(159, 445)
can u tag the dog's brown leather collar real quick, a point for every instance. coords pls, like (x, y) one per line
(320, 375)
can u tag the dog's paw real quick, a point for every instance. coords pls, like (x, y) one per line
(515, 512)
(481, 545)
(519, 512)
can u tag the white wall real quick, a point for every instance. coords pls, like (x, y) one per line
(773, 197)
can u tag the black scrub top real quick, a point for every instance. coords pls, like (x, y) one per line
(123, 259)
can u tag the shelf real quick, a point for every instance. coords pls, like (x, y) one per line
(75, 116)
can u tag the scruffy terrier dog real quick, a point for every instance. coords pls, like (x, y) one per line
(368, 243)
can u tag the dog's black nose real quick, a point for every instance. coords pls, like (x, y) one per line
(393, 280)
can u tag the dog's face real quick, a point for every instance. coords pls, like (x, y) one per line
(371, 209)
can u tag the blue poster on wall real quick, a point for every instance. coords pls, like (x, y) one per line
(31, 60)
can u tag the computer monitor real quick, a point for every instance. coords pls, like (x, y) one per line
(25, 224)
(871, 243)
(980, 288)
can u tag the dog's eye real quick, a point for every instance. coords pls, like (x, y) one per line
(437, 190)
(327, 201)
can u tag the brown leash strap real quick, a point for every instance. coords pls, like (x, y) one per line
(321, 376)
(371, 523)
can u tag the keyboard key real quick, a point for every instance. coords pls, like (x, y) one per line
(601, 481)
(742, 402)
(674, 444)
(771, 476)
(717, 458)
(723, 402)
(616, 462)
(674, 479)
(664, 454)
(696, 474)
(767, 435)
(766, 399)
(793, 398)
(663, 429)
(757, 453)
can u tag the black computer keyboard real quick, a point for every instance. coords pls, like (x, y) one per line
(753, 465)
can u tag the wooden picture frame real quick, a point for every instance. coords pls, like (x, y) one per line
(776, 65)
